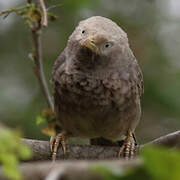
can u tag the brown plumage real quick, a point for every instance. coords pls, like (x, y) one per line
(97, 84)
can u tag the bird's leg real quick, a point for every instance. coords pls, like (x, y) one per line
(128, 147)
(56, 141)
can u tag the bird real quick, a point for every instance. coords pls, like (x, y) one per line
(97, 85)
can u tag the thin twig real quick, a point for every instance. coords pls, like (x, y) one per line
(39, 71)
(44, 20)
(53, 6)
(37, 55)
(15, 10)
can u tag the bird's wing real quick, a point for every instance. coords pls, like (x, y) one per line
(139, 79)
(56, 67)
(126, 79)
(135, 78)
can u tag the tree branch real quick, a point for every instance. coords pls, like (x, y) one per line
(42, 151)
(37, 55)
(170, 140)
(70, 170)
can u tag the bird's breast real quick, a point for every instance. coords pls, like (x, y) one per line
(90, 107)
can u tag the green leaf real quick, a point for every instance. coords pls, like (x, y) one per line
(24, 152)
(109, 172)
(40, 120)
(10, 165)
(161, 163)
(11, 150)
(12, 173)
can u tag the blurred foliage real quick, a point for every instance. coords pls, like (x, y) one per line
(11, 151)
(158, 164)
(48, 122)
(162, 164)
(154, 37)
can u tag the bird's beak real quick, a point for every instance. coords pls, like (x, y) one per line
(90, 44)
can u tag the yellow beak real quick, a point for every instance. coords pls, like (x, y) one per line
(90, 44)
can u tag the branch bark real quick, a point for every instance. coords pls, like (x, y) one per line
(170, 140)
(70, 170)
(41, 149)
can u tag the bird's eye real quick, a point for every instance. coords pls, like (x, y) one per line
(83, 32)
(107, 45)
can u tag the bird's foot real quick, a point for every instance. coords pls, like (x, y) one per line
(56, 141)
(127, 150)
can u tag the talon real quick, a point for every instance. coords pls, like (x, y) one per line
(132, 150)
(63, 143)
(54, 144)
(52, 141)
(121, 150)
(128, 147)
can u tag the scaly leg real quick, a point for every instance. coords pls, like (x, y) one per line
(128, 147)
(56, 141)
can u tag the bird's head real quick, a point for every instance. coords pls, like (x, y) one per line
(98, 44)
(98, 39)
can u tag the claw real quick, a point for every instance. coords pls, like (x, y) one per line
(132, 151)
(54, 144)
(128, 147)
(121, 150)
(52, 141)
